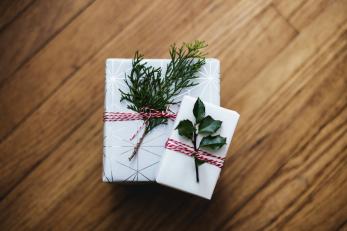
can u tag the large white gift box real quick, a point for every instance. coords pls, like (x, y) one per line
(117, 144)
(177, 170)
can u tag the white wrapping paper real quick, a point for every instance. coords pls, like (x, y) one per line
(177, 170)
(117, 144)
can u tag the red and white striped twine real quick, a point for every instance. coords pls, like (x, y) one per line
(130, 116)
(177, 146)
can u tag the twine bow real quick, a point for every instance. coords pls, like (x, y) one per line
(145, 114)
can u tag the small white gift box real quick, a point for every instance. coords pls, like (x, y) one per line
(117, 144)
(177, 170)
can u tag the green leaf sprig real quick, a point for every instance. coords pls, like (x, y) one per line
(148, 89)
(205, 126)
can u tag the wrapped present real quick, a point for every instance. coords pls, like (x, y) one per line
(195, 153)
(118, 142)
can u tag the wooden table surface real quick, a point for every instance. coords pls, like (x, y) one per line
(283, 67)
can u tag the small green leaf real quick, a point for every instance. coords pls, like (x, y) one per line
(186, 128)
(199, 162)
(199, 110)
(209, 126)
(213, 142)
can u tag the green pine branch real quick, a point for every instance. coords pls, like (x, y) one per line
(147, 88)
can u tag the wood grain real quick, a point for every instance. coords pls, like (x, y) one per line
(28, 35)
(283, 68)
(11, 9)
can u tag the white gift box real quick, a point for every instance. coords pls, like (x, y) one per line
(177, 170)
(117, 144)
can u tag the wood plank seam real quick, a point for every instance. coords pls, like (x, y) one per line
(296, 9)
(258, 15)
(271, 6)
(284, 18)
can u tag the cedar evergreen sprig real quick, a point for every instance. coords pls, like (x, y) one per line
(205, 126)
(148, 89)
